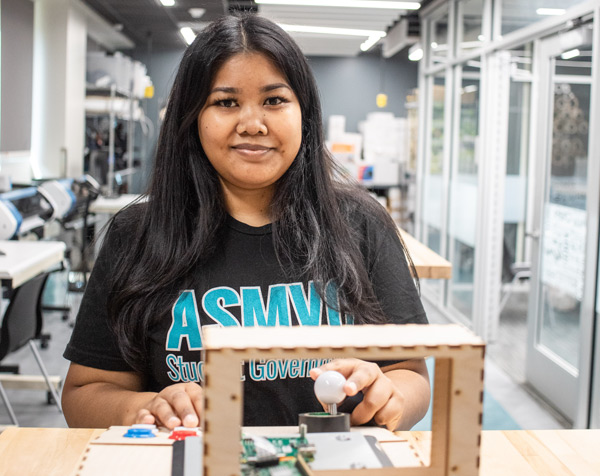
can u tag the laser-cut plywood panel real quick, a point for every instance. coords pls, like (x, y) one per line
(458, 385)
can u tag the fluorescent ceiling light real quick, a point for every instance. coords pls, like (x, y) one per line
(168, 3)
(570, 54)
(439, 48)
(369, 42)
(188, 34)
(415, 52)
(345, 4)
(197, 12)
(550, 11)
(332, 31)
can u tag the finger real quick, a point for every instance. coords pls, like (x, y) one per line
(359, 373)
(362, 377)
(196, 394)
(183, 407)
(145, 417)
(375, 398)
(343, 366)
(315, 372)
(164, 413)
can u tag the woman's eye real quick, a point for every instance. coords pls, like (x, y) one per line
(275, 101)
(226, 102)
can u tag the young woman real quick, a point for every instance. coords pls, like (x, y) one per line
(247, 223)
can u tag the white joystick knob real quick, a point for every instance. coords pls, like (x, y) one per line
(329, 389)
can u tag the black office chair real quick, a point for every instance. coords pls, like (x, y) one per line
(22, 323)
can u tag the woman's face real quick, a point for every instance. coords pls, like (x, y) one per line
(251, 124)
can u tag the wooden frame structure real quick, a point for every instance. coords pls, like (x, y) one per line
(457, 393)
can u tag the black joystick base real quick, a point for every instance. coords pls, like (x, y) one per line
(322, 422)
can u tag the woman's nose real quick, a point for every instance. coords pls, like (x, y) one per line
(251, 121)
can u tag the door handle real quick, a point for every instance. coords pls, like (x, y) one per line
(535, 234)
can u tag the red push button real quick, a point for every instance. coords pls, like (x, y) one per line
(182, 434)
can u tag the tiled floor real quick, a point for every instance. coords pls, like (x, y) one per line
(505, 383)
(32, 410)
(30, 406)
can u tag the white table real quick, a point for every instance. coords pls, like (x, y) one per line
(112, 205)
(23, 260)
(104, 208)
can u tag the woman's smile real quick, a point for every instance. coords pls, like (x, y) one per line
(252, 151)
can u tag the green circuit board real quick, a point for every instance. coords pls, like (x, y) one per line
(280, 460)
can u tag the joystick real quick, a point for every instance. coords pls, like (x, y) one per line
(329, 389)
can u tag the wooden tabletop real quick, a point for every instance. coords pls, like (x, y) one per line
(531, 452)
(42, 451)
(428, 263)
(23, 260)
(56, 451)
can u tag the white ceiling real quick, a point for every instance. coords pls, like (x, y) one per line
(140, 20)
(331, 45)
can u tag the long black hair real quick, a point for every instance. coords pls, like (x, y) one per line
(178, 229)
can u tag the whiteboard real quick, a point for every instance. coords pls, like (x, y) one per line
(563, 248)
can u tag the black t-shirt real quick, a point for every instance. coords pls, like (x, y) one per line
(242, 284)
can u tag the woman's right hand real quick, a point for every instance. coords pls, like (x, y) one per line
(179, 404)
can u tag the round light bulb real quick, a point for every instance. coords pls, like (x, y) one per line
(329, 387)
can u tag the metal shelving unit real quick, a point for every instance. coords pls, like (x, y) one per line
(116, 105)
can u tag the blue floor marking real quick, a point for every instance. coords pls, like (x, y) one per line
(495, 417)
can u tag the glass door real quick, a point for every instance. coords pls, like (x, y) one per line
(462, 208)
(565, 239)
(595, 403)
(435, 173)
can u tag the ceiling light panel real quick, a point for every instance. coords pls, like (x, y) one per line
(550, 11)
(570, 54)
(379, 20)
(331, 46)
(365, 4)
(188, 35)
(197, 12)
(332, 31)
(328, 16)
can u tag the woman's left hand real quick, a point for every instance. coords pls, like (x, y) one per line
(385, 394)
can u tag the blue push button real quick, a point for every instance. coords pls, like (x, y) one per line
(139, 433)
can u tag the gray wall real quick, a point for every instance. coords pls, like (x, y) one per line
(17, 74)
(348, 86)
(161, 67)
